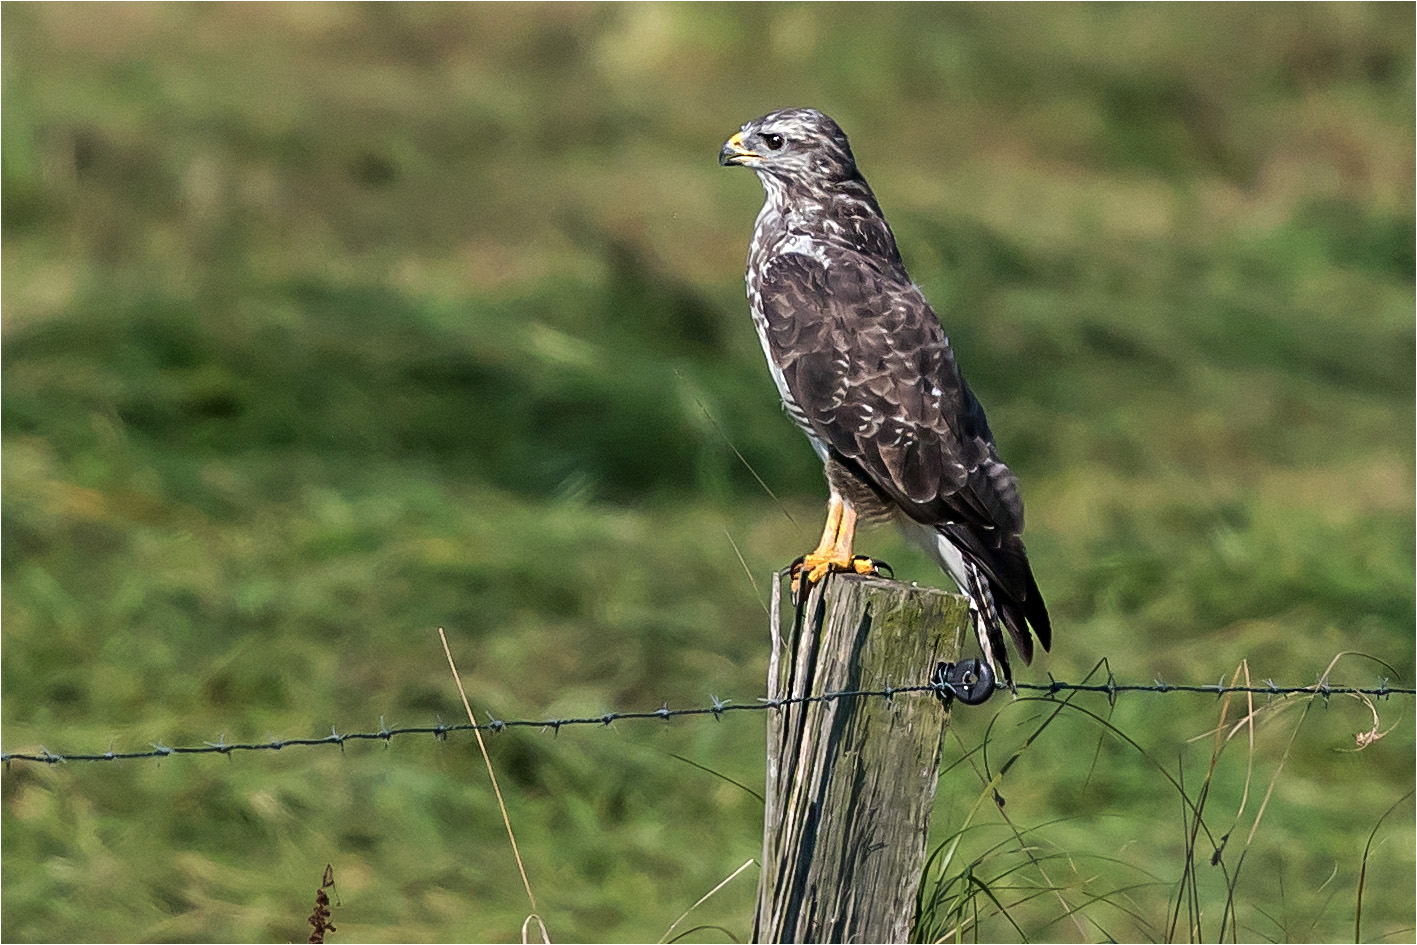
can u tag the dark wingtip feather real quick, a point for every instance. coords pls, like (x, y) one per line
(1037, 613)
(1013, 618)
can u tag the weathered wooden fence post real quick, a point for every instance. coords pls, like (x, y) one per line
(851, 781)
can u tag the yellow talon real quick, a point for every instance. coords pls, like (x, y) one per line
(833, 552)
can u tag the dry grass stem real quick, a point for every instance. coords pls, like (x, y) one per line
(501, 805)
(705, 898)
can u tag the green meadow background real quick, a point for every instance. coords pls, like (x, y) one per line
(325, 326)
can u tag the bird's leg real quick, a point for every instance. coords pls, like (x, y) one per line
(834, 551)
(836, 514)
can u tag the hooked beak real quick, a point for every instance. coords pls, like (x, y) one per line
(735, 154)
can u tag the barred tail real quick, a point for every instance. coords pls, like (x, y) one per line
(1014, 604)
(987, 625)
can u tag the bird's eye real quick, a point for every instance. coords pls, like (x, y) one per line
(773, 141)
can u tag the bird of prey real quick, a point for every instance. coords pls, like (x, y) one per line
(865, 369)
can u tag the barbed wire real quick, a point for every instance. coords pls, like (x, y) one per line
(717, 709)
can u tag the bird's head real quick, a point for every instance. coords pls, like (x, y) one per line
(793, 144)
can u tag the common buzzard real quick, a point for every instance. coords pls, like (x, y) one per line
(864, 368)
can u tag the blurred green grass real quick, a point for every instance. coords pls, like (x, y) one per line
(325, 326)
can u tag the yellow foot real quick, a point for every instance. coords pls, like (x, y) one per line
(809, 569)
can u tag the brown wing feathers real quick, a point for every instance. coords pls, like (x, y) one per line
(870, 367)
